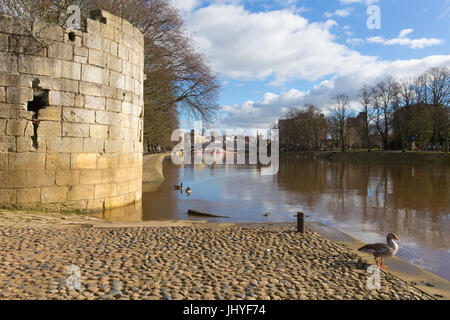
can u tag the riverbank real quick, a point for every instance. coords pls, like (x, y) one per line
(379, 157)
(180, 260)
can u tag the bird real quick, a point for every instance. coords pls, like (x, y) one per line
(382, 250)
(267, 214)
(180, 187)
(188, 191)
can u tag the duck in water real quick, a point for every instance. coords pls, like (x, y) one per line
(188, 191)
(180, 187)
(382, 250)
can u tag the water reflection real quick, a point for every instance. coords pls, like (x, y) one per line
(364, 200)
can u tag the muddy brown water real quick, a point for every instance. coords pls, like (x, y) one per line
(366, 201)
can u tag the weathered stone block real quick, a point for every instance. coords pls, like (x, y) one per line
(91, 177)
(48, 31)
(129, 160)
(79, 101)
(92, 41)
(60, 50)
(49, 129)
(28, 195)
(26, 45)
(2, 95)
(97, 58)
(78, 115)
(108, 176)
(26, 161)
(114, 202)
(4, 42)
(106, 117)
(50, 114)
(67, 177)
(64, 144)
(114, 63)
(39, 66)
(92, 26)
(19, 128)
(97, 103)
(95, 74)
(123, 52)
(129, 84)
(8, 62)
(114, 133)
(7, 196)
(76, 130)
(108, 161)
(81, 51)
(82, 192)
(114, 146)
(54, 194)
(26, 80)
(19, 95)
(98, 131)
(91, 89)
(70, 70)
(41, 178)
(3, 161)
(57, 161)
(127, 27)
(14, 26)
(93, 145)
(84, 161)
(113, 105)
(9, 80)
(105, 191)
(117, 80)
(65, 85)
(79, 59)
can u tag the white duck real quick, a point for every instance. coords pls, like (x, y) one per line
(382, 250)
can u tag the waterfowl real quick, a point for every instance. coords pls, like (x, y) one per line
(382, 250)
(188, 191)
(180, 187)
(267, 214)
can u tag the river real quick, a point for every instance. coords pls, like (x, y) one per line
(366, 201)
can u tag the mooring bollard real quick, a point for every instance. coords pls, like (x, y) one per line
(301, 222)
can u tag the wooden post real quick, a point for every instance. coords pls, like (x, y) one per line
(301, 222)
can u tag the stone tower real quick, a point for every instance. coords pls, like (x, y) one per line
(71, 114)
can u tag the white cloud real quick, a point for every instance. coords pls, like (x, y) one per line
(342, 13)
(185, 5)
(405, 32)
(402, 40)
(355, 41)
(281, 43)
(366, 2)
(263, 113)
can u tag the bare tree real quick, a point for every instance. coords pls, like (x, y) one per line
(386, 95)
(338, 117)
(366, 99)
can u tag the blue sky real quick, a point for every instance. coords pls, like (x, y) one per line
(273, 55)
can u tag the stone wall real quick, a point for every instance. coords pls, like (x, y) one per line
(71, 114)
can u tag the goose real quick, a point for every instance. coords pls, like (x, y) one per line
(180, 187)
(188, 191)
(382, 250)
